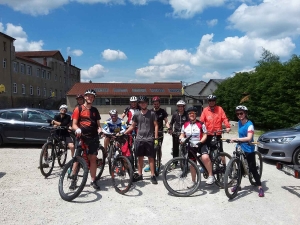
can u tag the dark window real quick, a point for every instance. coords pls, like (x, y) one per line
(119, 101)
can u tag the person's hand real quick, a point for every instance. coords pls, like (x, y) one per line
(228, 130)
(182, 140)
(99, 130)
(170, 131)
(155, 142)
(78, 132)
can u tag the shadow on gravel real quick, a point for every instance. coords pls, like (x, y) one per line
(2, 174)
(19, 146)
(293, 189)
(84, 194)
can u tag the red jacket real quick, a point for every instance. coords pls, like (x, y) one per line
(213, 119)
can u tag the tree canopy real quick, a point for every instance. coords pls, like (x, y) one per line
(270, 92)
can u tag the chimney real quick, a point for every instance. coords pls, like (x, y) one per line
(45, 61)
(69, 60)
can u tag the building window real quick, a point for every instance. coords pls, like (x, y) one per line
(48, 76)
(15, 88)
(31, 90)
(101, 89)
(157, 90)
(29, 70)
(4, 46)
(44, 74)
(38, 72)
(119, 101)
(38, 91)
(45, 92)
(23, 89)
(4, 63)
(22, 68)
(16, 65)
(173, 101)
(138, 90)
(120, 89)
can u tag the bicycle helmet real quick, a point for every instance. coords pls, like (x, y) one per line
(63, 106)
(241, 107)
(192, 109)
(156, 98)
(211, 97)
(180, 102)
(113, 112)
(143, 98)
(90, 91)
(133, 99)
(79, 96)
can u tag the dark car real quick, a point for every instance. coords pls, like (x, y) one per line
(24, 125)
(281, 145)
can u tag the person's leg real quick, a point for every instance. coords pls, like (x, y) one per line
(175, 145)
(152, 165)
(252, 168)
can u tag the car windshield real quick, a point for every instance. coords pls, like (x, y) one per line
(48, 112)
(296, 127)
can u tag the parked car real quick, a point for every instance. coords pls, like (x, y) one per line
(281, 145)
(24, 125)
(54, 112)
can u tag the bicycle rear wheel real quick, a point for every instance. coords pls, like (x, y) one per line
(121, 174)
(62, 151)
(232, 179)
(177, 177)
(100, 162)
(259, 167)
(73, 179)
(158, 160)
(219, 168)
(47, 159)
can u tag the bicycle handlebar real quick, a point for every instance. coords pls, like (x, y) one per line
(239, 142)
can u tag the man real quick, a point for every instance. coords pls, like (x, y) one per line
(177, 120)
(86, 123)
(130, 110)
(147, 134)
(63, 119)
(80, 99)
(197, 130)
(213, 116)
(161, 116)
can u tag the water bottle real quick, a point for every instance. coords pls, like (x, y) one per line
(69, 171)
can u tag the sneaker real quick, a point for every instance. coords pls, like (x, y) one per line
(192, 185)
(95, 185)
(73, 185)
(233, 189)
(147, 169)
(210, 180)
(261, 193)
(153, 180)
(137, 177)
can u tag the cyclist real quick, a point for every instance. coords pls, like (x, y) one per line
(161, 116)
(198, 131)
(63, 119)
(147, 133)
(86, 123)
(80, 99)
(177, 120)
(213, 116)
(246, 134)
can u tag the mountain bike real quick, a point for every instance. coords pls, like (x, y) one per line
(75, 173)
(177, 174)
(55, 147)
(238, 167)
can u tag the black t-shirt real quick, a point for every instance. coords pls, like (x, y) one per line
(161, 114)
(178, 120)
(64, 121)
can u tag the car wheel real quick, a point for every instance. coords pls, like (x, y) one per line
(1, 141)
(296, 157)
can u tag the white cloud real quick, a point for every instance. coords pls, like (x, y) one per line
(21, 43)
(188, 8)
(139, 2)
(213, 75)
(165, 72)
(94, 72)
(270, 19)
(212, 22)
(111, 55)
(75, 52)
(170, 57)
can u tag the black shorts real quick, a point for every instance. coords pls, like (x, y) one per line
(69, 140)
(201, 150)
(144, 148)
(92, 145)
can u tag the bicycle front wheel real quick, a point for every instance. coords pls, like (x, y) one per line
(47, 159)
(181, 177)
(62, 151)
(121, 174)
(232, 179)
(73, 179)
(100, 162)
(259, 168)
(219, 168)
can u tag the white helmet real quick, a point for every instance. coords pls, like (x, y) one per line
(241, 107)
(113, 112)
(133, 99)
(63, 106)
(180, 102)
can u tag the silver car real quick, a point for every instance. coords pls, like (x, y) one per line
(281, 145)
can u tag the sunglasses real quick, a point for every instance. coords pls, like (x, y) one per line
(240, 114)
(180, 106)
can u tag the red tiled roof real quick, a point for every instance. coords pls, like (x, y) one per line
(31, 61)
(107, 89)
(37, 54)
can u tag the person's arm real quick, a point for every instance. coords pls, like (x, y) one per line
(204, 136)
(155, 129)
(250, 134)
(75, 122)
(130, 128)
(55, 122)
(224, 119)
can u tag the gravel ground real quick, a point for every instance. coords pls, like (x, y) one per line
(26, 197)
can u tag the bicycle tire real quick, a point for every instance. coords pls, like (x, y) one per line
(259, 167)
(232, 178)
(121, 169)
(62, 151)
(219, 169)
(133, 151)
(101, 157)
(110, 157)
(66, 179)
(158, 161)
(183, 186)
(47, 159)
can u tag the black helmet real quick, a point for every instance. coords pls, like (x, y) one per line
(143, 98)
(211, 97)
(90, 91)
(192, 109)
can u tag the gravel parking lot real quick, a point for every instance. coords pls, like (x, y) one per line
(26, 197)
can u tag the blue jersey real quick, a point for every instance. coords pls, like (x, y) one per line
(111, 127)
(243, 132)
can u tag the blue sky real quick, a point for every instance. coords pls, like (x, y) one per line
(155, 40)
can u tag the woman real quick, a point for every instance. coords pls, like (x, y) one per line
(246, 133)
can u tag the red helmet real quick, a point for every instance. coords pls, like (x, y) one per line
(79, 96)
(156, 98)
